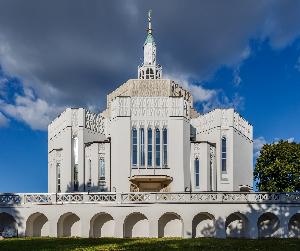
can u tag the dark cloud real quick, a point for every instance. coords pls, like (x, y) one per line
(75, 52)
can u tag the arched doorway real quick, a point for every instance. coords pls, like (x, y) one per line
(236, 225)
(8, 225)
(203, 225)
(170, 225)
(68, 225)
(102, 225)
(294, 226)
(37, 225)
(267, 225)
(136, 225)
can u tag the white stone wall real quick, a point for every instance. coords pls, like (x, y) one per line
(127, 215)
(71, 124)
(220, 123)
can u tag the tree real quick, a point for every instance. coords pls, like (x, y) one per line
(277, 168)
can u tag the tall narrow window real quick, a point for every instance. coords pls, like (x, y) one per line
(157, 147)
(101, 169)
(134, 147)
(76, 177)
(165, 147)
(101, 174)
(142, 147)
(224, 154)
(149, 147)
(89, 184)
(197, 173)
(58, 177)
(90, 170)
(75, 169)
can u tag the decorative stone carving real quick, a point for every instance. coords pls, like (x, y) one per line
(196, 150)
(150, 88)
(94, 122)
(101, 148)
(242, 125)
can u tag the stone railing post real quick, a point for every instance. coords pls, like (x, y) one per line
(119, 198)
(53, 198)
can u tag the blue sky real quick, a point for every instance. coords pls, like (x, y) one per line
(48, 66)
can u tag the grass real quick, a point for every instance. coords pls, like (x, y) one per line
(162, 244)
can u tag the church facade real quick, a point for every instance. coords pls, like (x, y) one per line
(150, 139)
(150, 165)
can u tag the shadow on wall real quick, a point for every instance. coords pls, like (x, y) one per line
(257, 221)
(260, 221)
(84, 188)
(11, 221)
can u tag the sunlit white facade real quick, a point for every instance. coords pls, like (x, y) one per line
(149, 138)
(150, 165)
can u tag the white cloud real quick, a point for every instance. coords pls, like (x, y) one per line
(200, 94)
(223, 101)
(237, 80)
(257, 145)
(3, 82)
(3, 120)
(35, 112)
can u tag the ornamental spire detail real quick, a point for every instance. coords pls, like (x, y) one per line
(149, 69)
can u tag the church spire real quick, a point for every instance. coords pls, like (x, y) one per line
(149, 22)
(149, 69)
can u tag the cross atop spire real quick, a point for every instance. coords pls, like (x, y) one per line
(149, 69)
(149, 30)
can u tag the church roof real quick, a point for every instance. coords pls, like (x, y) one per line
(149, 39)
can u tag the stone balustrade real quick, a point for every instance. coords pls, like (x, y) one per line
(12, 199)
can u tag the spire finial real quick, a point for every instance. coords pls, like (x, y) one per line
(149, 22)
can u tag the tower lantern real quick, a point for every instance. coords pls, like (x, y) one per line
(149, 68)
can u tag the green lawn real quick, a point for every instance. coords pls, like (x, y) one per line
(148, 244)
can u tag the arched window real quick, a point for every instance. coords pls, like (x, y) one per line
(149, 147)
(157, 147)
(197, 173)
(224, 154)
(134, 147)
(165, 147)
(142, 147)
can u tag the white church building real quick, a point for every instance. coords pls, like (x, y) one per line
(149, 139)
(150, 165)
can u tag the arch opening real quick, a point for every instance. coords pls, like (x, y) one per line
(170, 225)
(268, 225)
(236, 225)
(294, 226)
(37, 225)
(102, 225)
(8, 225)
(68, 225)
(203, 225)
(136, 225)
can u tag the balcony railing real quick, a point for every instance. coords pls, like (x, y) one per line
(13, 199)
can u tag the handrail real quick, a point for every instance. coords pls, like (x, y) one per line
(12, 199)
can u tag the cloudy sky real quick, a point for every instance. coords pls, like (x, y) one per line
(58, 54)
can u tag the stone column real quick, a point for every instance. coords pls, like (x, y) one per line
(187, 222)
(220, 228)
(153, 227)
(85, 226)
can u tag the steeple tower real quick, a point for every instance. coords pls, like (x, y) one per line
(149, 69)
